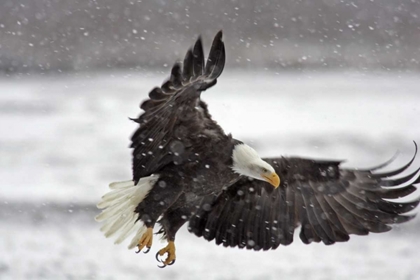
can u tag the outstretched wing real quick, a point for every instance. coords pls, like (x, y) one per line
(174, 116)
(328, 203)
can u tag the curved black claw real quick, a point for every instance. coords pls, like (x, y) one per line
(157, 257)
(162, 266)
(172, 262)
(147, 250)
(138, 250)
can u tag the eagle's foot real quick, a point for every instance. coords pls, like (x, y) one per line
(170, 259)
(146, 240)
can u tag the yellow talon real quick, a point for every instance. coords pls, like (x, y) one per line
(170, 249)
(146, 240)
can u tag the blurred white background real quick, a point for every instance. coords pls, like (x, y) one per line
(325, 79)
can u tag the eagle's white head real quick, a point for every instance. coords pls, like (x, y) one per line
(247, 162)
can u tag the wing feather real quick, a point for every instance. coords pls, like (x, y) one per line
(397, 171)
(221, 223)
(198, 59)
(289, 216)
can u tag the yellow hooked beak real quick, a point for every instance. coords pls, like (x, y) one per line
(273, 179)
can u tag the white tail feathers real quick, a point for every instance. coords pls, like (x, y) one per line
(119, 204)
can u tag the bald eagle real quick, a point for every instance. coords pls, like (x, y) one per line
(186, 169)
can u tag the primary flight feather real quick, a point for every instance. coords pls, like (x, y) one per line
(186, 169)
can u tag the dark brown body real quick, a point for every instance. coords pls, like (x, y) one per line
(181, 188)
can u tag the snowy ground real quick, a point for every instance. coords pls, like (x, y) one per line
(63, 139)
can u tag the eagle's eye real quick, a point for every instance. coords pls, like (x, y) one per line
(264, 170)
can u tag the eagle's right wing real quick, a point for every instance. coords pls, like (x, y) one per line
(174, 114)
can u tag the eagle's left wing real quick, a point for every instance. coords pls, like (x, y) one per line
(328, 203)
